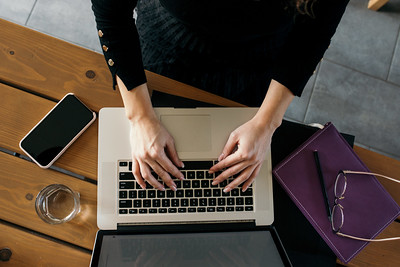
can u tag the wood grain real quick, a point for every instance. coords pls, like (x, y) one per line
(21, 111)
(21, 181)
(53, 68)
(28, 250)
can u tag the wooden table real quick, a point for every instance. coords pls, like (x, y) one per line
(36, 71)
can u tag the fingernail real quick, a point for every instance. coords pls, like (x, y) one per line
(226, 189)
(210, 172)
(183, 165)
(220, 157)
(173, 188)
(182, 178)
(143, 186)
(244, 188)
(214, 183)
(162, 188)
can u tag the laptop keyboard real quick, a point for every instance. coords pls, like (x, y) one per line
(195, 194)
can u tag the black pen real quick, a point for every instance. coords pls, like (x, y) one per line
(322, 182)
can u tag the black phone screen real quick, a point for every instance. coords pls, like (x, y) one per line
(57, 130)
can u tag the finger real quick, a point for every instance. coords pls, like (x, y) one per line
(240, 179)
(229, 146)
(251, 178)
(163, 175)
(146, 174)
(229, 172)
(172, 154)
(168, 166)
(227, 162)
(137, 174)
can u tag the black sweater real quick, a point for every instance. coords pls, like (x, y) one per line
(233, 20)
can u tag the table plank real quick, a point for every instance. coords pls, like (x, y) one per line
(52, 67)
(28, 250)
(20, 111)
(21, 181)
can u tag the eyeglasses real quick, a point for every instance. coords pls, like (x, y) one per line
(337, 218)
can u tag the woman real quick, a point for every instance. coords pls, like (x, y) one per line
(259, 53)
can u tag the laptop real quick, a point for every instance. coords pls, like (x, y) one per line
(127, 214)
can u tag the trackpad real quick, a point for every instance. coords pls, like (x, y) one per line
(192, 133)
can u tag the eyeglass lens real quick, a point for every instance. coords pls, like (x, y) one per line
(337, 218)
(340, 185)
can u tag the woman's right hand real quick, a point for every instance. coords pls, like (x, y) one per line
(153, 148)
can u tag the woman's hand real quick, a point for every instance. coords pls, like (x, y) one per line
(153, 148)
(247, 146)
(244, 153)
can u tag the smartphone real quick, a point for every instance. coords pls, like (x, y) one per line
(64, 123)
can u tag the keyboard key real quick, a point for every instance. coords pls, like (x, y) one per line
(133, 211)
(165, 202)
(160, 194)
(248, 208)
(191, 175)
(230, 201)
(125, 203)
(137, 203)
(184, 174)
(126, 185)
(191, 209)
(123, 163)
(195, 184)
(239, 208)
(147, 203)
(239, 201)
(203, 202)
(123, 194)
(248, 192)
(230, 209)
(130, 166)
(212, 202)
(207, 192)
(156, 203)
(170, 193)
(248, 201)
(198, 193)
(181, 210)
(162, 210)
(220, 209)
(126, 176)
(152, 211)
(210, 209)
(189, 193)
(151, 194)
(194, 202)
(216, 192)
(172, 210)
(132, 194)
(180, 193)
(209, 175)
(123, 211)
(142, 211)
(178, 184)
(142, 193)
(235, 192)
(175, 202)
(200, 174)
(201, 209)
(223, 183)
(198, 165)
(221, 201)
(205, 184)
(184, 202)
(186, 184)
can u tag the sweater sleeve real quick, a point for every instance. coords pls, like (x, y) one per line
(307, 42)
(119, 40)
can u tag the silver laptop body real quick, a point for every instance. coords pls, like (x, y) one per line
(200, 134)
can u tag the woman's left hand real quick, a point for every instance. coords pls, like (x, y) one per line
(243, 153)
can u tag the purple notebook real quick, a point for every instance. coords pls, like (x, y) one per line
(368, 207)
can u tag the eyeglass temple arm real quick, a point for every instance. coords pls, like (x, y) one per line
(371, 173)
(367, 239)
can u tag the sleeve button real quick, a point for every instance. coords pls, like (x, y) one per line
(105, 48)
(110, 62)
(100, 32)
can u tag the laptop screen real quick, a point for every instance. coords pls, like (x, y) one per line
(248, 248)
